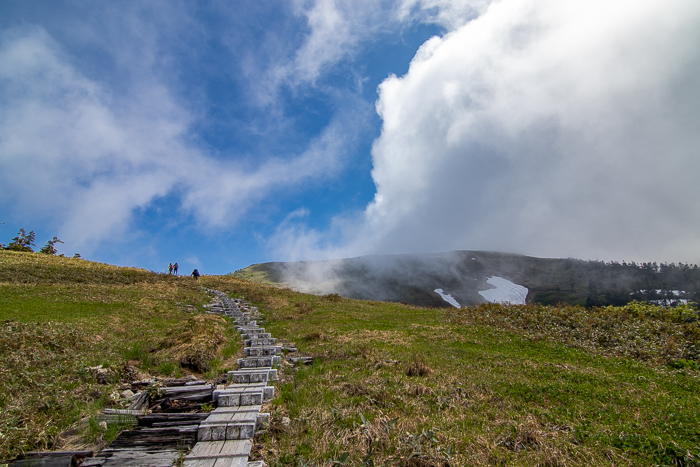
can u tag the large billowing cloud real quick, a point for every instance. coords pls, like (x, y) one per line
(547, 128)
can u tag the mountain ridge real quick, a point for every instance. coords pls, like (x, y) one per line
(413, 278)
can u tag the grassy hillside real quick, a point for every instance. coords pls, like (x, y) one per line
(488, 385)
(390, 384)
(59, 316)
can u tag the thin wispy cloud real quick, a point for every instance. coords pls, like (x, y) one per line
(88, 158)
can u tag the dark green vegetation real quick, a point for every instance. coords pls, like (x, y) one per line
(413, 278)
(60, 316)
(391, 384)
(24, 241)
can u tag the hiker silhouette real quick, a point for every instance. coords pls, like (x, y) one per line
(195, 274)
(175, 266)
(170, 268)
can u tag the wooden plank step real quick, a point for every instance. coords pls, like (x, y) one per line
(50, 458)
(235, 399)
(158, 419)
(136, 413)
(262, 341)
(138, 459)
(242, 408)
(226, 431)
(259, 335)
(257, 418)
(258, 362)
(228, 417)
(253, 328)
(155, 438)
(218, 462)
(263, 351)
(215, 449)
(271, 374)
(180, 390)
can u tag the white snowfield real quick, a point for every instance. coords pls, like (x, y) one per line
(505, 292)
(448, 298)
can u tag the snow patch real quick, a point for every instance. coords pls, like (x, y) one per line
(448, 298)
(505, 292)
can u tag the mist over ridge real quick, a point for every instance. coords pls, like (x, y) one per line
(463, 274)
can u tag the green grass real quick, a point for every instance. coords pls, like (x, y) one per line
(59, 316)
(505, 386)
(390, 384)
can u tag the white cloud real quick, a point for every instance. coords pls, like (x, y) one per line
(451, 14)
(75, 151)
(548, 128)
(338, 29)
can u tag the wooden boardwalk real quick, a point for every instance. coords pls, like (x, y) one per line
(224, 437)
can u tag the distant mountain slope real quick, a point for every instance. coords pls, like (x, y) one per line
(464, 274)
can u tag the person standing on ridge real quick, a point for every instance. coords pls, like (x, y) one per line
(170, 268)
(175, 266)
(195, 274)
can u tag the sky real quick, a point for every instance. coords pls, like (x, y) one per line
(221, 134)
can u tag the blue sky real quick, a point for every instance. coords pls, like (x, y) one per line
(220, 134)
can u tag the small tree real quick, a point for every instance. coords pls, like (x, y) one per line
(23, 241)
(49, 248)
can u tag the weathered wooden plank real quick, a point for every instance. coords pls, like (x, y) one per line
(124, 412)
(32, 454)
(245, 408)
(211, 449)
(142, 459)
(232, 462)
(54, 461)
(158, 419)
(139, 401)
(199, 462)
(222, 417)
(236, 447)
(225, 431)
(93, 462)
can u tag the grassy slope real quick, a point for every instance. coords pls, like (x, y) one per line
(59, 316)
(501, 389)
(490, 387)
